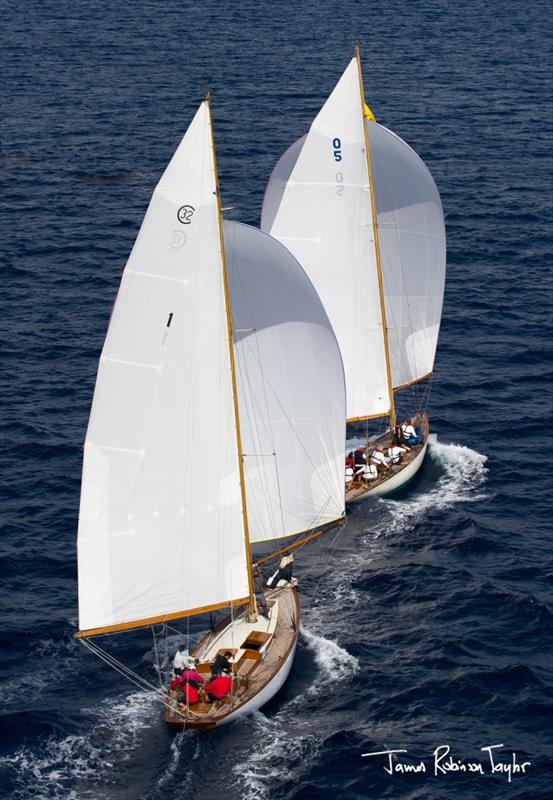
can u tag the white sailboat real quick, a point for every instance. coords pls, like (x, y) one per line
(362, 214)
(217, 421)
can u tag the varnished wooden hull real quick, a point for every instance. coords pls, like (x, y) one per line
(398, 476)
(256, 688)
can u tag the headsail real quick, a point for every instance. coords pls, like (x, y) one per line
(413, 253)
(317, 203)
(161, 532)
(290, 387)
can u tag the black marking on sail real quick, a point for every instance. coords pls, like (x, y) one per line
(170, 319)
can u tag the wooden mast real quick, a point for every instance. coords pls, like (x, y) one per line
(376, 244)
(251, 602)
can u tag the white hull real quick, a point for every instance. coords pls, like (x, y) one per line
(399, 480)
(268, 691)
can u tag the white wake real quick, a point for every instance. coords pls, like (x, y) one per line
(51, 771)
(462, 480)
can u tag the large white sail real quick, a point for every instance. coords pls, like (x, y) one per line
(161, 529)
(318, 204)
(290, 386)
(411, 234)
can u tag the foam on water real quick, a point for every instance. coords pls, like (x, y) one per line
(50, 772)
(334, 662)
(57, 659)
(174, 763)
(287, 737)
(462, 479)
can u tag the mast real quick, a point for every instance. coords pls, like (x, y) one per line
(376, 244)
(251, 602)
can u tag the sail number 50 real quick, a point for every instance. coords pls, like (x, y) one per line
(337, 145)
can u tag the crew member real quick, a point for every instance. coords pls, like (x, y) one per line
(221, 662)
(380, 461)
(395, 453)
(181, 660)
(410, 435)
(219, 687)
(283, 575)
(370, 473)
(258, 586)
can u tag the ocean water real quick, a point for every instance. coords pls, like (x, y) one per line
(428, 621)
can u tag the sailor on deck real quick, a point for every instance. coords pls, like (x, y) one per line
(410, 435)
(359, 460)
(182, 660)
(378, 458)
(349, 475)
(395, 453)
(221, 663)
(283, 575)
(219, 687)
(259, 586)
(370, 473)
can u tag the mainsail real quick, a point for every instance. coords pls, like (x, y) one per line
(319, 203)
(161, 529)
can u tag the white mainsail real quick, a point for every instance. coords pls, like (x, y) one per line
(161, 529)
(317, 203)
(321, 186)
(290, 387)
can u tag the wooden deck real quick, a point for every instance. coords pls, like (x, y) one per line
(263, 650)
(357, 489)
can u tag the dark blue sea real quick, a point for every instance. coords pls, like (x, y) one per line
(428, 622)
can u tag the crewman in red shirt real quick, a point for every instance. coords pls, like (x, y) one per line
(219, 687)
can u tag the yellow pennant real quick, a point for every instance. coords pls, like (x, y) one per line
(368, 113)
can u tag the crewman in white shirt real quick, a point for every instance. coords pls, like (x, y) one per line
(379, 459)
(370, 473)
(181, 660)
(395, 453)
(410, 435)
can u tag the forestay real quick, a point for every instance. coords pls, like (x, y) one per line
(411, 234)
(318, 204)
(290, 387)
(161, 529)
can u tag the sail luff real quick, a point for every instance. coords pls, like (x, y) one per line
(230, 334)
(376, 241)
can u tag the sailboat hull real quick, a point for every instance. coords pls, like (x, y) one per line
(399, 476)
(258, 676)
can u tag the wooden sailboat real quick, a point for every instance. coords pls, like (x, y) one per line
(212, 427)
(361, 213)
